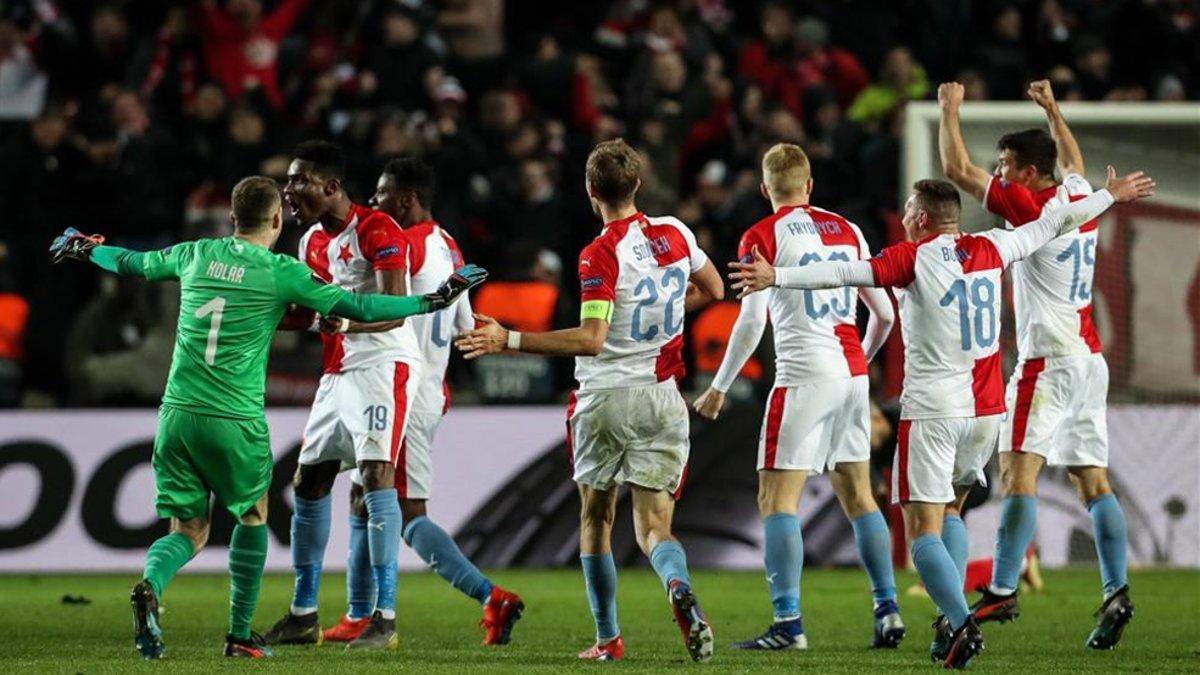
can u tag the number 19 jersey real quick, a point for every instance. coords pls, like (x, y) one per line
(635, 275)
(1052, 289)
(948, 291)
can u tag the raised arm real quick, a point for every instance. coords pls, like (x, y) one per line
(956, 163)
(743, 340)
(1070, 157)
(121, 261)
(73, 244)
(1020, 243)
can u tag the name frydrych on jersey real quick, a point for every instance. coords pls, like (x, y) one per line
(641, 265)
(815, 332)
(1052, 288)
(340, 259)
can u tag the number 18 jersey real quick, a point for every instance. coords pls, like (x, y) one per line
(948, 291)
(635, 275)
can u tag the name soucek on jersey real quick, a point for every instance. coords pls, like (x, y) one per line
(368, 241)
(1052, 289)
(816, 337)
(433, 255)
(635, 274)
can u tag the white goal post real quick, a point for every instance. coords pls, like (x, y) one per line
(1162, 138)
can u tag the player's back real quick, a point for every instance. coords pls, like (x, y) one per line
(230, 305)
(433, 255)
(948, 292)
(1052, 288)
(641, 265)
(816, 337)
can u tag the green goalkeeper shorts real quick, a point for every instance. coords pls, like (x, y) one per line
(195, 455)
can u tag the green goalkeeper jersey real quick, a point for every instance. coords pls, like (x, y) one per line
(233, 295)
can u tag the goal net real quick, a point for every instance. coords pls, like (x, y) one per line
(1146, 306)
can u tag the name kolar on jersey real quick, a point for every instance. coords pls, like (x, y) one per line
(223, 272)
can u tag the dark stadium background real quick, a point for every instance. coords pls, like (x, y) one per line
(134, 119)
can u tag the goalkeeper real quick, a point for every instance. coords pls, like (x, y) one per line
(212, 433)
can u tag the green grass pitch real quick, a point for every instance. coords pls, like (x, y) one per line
(438, 626)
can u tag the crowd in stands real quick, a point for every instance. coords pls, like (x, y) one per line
(134, 119)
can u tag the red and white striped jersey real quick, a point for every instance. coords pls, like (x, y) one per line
(369, 241)
(433, 255)
(641, 265)
(816, 337)
(1052, 289)
(948, 291)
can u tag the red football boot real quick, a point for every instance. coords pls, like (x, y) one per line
(613, 650)
(500, 613)
(346, 629)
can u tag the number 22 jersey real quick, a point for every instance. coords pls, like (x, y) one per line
(635, 275)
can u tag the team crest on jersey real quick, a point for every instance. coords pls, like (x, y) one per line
(588, 283)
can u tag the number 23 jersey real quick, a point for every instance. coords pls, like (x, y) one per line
(635, 275)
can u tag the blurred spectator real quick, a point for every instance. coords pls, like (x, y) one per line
(900, 79)
(474, 30)
(133, 118)
(1002, 56)
(122, 343)
(1093, 63)
(241, 46)
(402, 60)
(22, 82)
(820, 64)
(146, 199)
(768, 61)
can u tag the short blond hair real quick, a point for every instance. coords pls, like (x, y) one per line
(785, 169)
(613, 170)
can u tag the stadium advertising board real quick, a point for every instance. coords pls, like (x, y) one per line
(76, 494)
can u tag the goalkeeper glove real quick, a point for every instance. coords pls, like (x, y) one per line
(464, 279)
(74, 244)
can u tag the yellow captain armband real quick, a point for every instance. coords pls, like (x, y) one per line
(596, 309)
